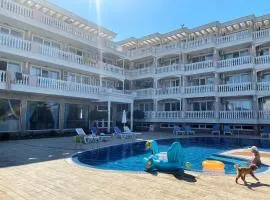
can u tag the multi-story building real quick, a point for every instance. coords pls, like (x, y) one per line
(56, 67)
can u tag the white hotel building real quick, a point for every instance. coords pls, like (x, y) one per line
(55, 67)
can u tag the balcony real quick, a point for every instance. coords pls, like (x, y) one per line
(234, 39)
(169, 92)
(48, 86)
(199, 67)
(262, 62)
(52, 55)
(200, 91)
(264, 116)
(246, 116)
(148, 93)
(262, 35)
(198, 44)
(236, 89)
(244, 62)
(140, 73)
(31, 16)
(168, 116)
(199, 116)
(263, 88)
(168, 70)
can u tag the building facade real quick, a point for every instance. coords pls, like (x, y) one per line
(57, 71)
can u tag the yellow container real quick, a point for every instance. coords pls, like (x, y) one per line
(213, 165)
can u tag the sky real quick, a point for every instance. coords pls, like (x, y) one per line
(137, 18)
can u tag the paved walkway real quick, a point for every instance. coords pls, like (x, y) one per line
(37, 169)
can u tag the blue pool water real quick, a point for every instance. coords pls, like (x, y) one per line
(130, 156)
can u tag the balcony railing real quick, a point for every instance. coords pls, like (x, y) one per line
(145, 93)
(263, 86)
(236, 115)
(168, 69)
(264, 114)
(16, 8)
(240, 87)
(199, 114)
(198, 65)
(198, 42)
(3, 76)
(142, 71)
(199, 89)
(168, 115)
(234, 37)
(262, 59)
(168, 91)
(58, 85)
(14, 42)
(234, 62)
(261, 34)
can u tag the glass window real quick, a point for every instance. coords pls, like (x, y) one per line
(35, 71)
(76, 116)
(3, 65)
(16, 33)
(42, 115)
(14, 67)
(244, 53)
(47, 43)
(203, 106)
(45, 73)
(196, 106)
(9, 115)
(167, 107)
(38, 40)
(4, 30)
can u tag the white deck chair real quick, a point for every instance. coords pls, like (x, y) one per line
(86, 138)
(127, 130)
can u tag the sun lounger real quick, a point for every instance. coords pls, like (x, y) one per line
(102, 136)
(178, 130)
(86, 138)
(127, 130)
(119, 134)
(188, 130)
(227, 130)
(216, 129)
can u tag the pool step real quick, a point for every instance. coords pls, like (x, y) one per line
(227, 159)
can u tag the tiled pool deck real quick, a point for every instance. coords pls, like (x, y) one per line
(38, 169)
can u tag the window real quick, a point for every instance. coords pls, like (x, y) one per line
(9, 115)
(46, 42)
(11, 31)
(38, 71)
(167, 107)
(237, 78)
(102, 108)
(203, 106)
(234, 105)
(3, 65)
(14, 67)
(42, 115)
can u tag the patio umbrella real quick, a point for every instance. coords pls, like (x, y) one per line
(124, 117)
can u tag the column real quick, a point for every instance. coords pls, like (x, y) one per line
(253, 54)
(100, 81)
(23, 120)
(131, 115)
(217, 107)
(62, 116)
(255, 107)
(109, 116)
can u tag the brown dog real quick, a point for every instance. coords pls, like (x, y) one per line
(243, 171)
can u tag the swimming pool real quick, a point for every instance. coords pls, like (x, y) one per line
(130, 156)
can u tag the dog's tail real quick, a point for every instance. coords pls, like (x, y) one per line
(236, 166)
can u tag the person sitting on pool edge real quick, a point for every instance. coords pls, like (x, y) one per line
(255, 160)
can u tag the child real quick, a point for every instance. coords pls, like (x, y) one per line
(255, 160)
